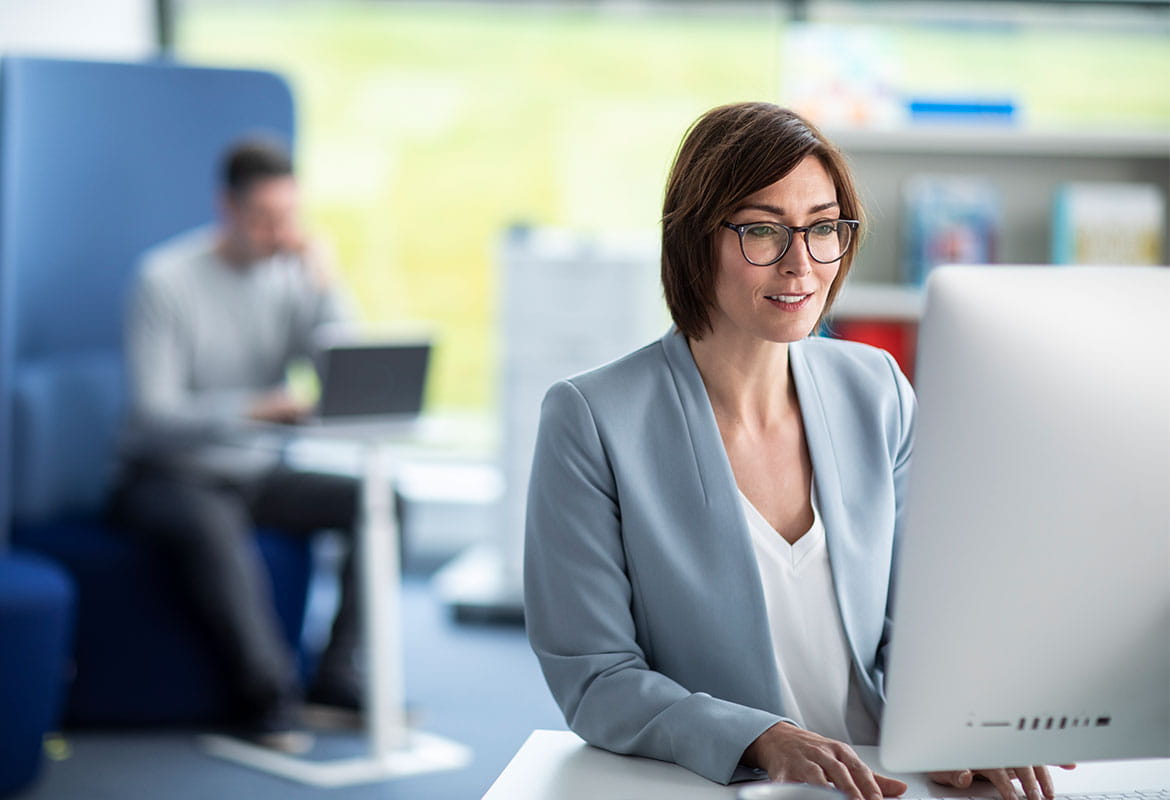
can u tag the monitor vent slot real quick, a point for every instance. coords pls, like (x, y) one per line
(1052, 723)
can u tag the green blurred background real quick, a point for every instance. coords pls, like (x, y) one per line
(427, 129)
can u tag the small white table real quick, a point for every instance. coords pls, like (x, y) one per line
(558, 765)
(394, 749)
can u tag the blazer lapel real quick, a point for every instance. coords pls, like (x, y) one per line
(715, 475)
(845, 552)
(720, 513)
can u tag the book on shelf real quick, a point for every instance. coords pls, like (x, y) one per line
(1108, 223)
(959, 110)
(948, 220)
(899, 338)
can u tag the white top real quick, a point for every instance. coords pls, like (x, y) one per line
(808, 640)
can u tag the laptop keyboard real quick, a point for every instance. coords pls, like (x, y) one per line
(1147, 794)
(1138, 794)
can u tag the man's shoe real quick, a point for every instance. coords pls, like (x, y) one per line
(333, 718)
(335, 702)
(279, 728)
(293, 743)
(346, 693)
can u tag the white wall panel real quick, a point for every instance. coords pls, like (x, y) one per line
(89, 29)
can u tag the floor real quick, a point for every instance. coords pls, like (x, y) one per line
(478, 684)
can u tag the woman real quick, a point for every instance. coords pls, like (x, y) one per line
(711, 519)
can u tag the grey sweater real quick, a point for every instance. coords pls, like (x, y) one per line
(203, 340)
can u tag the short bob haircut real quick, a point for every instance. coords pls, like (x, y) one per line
(731, 152)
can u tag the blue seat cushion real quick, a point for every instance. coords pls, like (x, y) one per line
(67, 410)
(142, 656)
(36, 619)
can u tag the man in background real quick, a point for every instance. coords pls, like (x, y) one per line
(217, 317)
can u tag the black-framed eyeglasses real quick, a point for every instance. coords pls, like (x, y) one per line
(765, 243)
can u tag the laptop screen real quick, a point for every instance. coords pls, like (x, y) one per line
(373, 379)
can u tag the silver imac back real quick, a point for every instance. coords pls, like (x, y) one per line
(1032, 597)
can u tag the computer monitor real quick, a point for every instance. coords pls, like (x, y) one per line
(1031, 617)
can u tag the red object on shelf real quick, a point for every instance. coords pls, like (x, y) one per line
(898, 338)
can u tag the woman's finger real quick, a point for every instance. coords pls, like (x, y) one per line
(1045, 779)
(1002, 782)
(797, 771)
(810, 773)
(1029, 783)
(890, 787)
(863, 776)
(960, 778)
(839, 774)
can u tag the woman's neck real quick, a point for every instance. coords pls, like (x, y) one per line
(747, 380)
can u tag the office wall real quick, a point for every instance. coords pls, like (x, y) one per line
(98, 29)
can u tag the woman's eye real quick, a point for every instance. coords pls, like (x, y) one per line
(824, 229)
(762, 231)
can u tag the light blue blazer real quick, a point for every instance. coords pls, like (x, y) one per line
(642, 597)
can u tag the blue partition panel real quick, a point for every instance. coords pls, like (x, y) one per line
(98, 162)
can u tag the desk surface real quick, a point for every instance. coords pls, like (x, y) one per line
(558, 764)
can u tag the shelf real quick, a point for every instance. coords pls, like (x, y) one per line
(887, 301)
(1001, 141)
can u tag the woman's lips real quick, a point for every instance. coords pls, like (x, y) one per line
(789, 302)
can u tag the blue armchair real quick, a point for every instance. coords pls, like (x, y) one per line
(36, 612)
(99, 161)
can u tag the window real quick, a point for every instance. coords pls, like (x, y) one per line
(426, 130)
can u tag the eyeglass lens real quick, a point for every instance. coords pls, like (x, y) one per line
(826, 241)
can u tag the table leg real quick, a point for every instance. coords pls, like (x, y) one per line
(393, 749)
(378, 540)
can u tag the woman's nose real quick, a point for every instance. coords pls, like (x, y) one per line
(796, 261)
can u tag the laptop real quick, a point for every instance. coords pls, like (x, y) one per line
(371, 381)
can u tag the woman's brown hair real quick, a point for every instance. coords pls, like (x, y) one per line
(729, 153)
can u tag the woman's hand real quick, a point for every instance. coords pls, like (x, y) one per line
(794, 755)
(1035, 781)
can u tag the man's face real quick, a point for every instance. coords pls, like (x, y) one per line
(264, 219)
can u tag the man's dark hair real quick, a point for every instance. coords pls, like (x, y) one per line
(252, 160)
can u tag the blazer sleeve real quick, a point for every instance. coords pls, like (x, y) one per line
(578, 601)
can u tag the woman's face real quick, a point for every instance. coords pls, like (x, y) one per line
(781, 302)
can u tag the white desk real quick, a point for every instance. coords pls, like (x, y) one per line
(558, 765)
